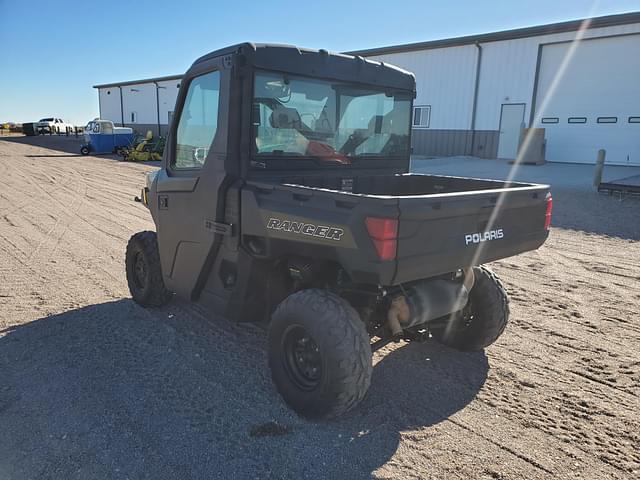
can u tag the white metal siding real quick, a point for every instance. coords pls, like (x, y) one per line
(110, 104)
(508, 71)
(445, 79)
(507, 76)
(445, 76)
(596, 78)
(140, 98)
(168, 92)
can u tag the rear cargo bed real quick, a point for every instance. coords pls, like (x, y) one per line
(447, 223)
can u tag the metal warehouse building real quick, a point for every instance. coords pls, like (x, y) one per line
(142, 104)
(578, 80)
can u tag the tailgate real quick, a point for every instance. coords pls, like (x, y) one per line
(442, 233)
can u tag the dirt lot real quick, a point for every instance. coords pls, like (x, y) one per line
(93, 386)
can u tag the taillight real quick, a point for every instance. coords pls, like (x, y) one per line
(384, 233)
(547, 215)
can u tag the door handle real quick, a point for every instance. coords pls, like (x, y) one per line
(163, 202)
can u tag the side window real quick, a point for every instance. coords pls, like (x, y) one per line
(421, 116)
(198, 121)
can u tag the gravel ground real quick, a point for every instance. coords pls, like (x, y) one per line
(94, 386)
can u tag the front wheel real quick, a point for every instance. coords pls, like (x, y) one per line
(84, 150)
(482, 320)
(144, 274)
(319, 354)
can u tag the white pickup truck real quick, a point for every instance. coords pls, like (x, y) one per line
(53, 125)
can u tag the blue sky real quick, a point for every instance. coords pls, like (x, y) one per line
(53, 52)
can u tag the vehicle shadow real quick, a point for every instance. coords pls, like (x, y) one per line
(68, 146)
(55, 156)
(61, 143)
(167, 393)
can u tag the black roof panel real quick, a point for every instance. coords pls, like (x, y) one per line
(318, 63)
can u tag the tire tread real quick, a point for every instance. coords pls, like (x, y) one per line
(346, 333)
(157, 294)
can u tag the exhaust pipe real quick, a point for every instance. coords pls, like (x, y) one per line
(427, 300)
(399, 314)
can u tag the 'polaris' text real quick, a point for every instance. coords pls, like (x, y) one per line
(483, 236)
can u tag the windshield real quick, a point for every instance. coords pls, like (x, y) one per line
(330, 121)
(47, 120)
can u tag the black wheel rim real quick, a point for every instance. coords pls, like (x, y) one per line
(302, 358)
(139, 271)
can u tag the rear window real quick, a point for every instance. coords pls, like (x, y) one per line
(330, 121)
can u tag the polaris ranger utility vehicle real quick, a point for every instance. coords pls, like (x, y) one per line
(284, 197)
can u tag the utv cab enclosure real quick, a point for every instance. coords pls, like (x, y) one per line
(284, 197)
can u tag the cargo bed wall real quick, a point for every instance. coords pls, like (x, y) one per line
(416, 184)
(398, 185)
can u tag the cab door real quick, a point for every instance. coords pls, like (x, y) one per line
(189, 191)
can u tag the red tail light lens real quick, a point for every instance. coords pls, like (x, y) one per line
(547, 215)
(384, 233)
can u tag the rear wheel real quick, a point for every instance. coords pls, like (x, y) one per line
(483, 319)
(319, 354)
(144, 274)
(84, 150)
